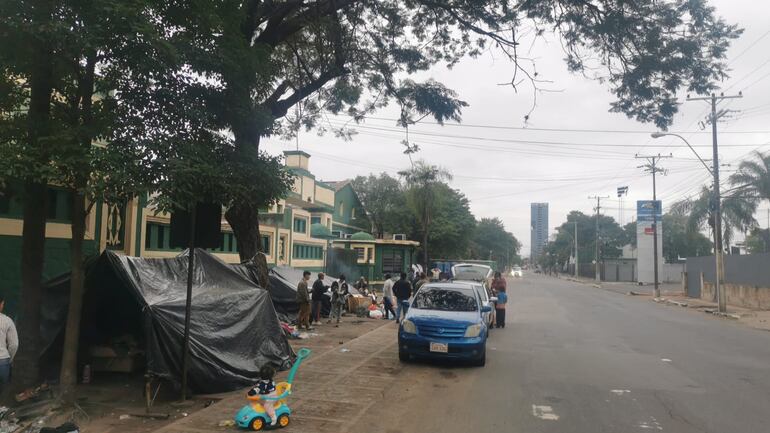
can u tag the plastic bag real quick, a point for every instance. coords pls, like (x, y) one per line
(375, 314)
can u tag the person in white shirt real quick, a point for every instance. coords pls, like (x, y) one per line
(9, 344)
(387, 297)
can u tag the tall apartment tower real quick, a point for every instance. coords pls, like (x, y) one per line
(539, 229)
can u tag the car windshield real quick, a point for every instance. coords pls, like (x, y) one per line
(471, 272)
(516, 268)
(445, 299)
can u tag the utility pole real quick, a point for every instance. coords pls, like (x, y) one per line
(576, 252)
(717, 205)
(652, 167)
(598, 209)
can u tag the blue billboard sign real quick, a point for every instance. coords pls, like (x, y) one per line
(647, 210)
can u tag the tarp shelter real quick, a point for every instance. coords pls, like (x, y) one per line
(234, 329)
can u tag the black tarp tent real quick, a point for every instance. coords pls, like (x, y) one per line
(234, 328)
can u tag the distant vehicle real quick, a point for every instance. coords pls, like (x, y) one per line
(445, 320)
(517, 272)
(485, 295)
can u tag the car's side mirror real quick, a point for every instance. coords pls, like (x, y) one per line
(486, 309)
(493, 299)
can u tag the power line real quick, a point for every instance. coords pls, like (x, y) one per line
(533, 142)
(527, 128)
(751, 45)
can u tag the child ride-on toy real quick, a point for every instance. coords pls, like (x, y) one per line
(253, 416)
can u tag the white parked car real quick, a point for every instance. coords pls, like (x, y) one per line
(517, 272)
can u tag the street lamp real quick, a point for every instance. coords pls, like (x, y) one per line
(721, 299)
(664, 134)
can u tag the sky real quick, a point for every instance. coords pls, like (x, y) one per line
(502, 167)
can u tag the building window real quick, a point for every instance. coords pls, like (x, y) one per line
(337, 234)
(308, 252)
(279, 208)
(10, 204)
(157, 237)
(59, 203)
(315, 220)
(370, 254)
(229, 244)
(282, 248)
(266, 244)
(342, 209)
(353, 212)
(360, 253)
(392, 262)
(300, 225)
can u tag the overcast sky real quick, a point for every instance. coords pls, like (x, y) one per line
(501, 177)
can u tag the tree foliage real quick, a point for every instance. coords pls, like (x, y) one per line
(678, 241)
(752, 180)
(383, 201)
(737, 214)
(491, 238)
(424, 184)
(451, 229)
(255, 62)
(611, 240)
(758, 241)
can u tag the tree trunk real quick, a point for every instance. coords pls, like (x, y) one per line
(244, 220)
(425, 248)
(69, 371)
(26, 365)
(83, 113)
(27, 362)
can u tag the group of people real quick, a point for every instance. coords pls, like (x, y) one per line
(310, 299)
(395, 296)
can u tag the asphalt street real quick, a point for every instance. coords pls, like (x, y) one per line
(574, 358)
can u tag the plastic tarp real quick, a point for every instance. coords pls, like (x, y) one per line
(234, 329)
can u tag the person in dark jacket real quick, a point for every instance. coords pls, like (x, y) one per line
(303, 300)
(403, 291)
(317, 296)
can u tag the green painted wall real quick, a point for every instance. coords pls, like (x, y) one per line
(57, 262)
(349, 200)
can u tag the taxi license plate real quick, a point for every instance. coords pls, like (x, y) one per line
(439, 347)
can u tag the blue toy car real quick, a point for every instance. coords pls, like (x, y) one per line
(253, 415)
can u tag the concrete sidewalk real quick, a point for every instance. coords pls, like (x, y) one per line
(627, 287)
(759, 319)
(333, 389)
(671, 294)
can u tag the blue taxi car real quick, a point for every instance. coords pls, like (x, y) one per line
(444, 320)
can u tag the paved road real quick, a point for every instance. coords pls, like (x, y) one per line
(579, 359)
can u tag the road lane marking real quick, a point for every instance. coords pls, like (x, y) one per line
(620, 391)
(665, 359)
(544, 412)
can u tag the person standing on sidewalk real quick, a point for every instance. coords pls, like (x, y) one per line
(403, 291)
(422, 281)
(340, 294)
(318, 293)
(387, 297)
(499, 288)
(9, 344)
(303, 299)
